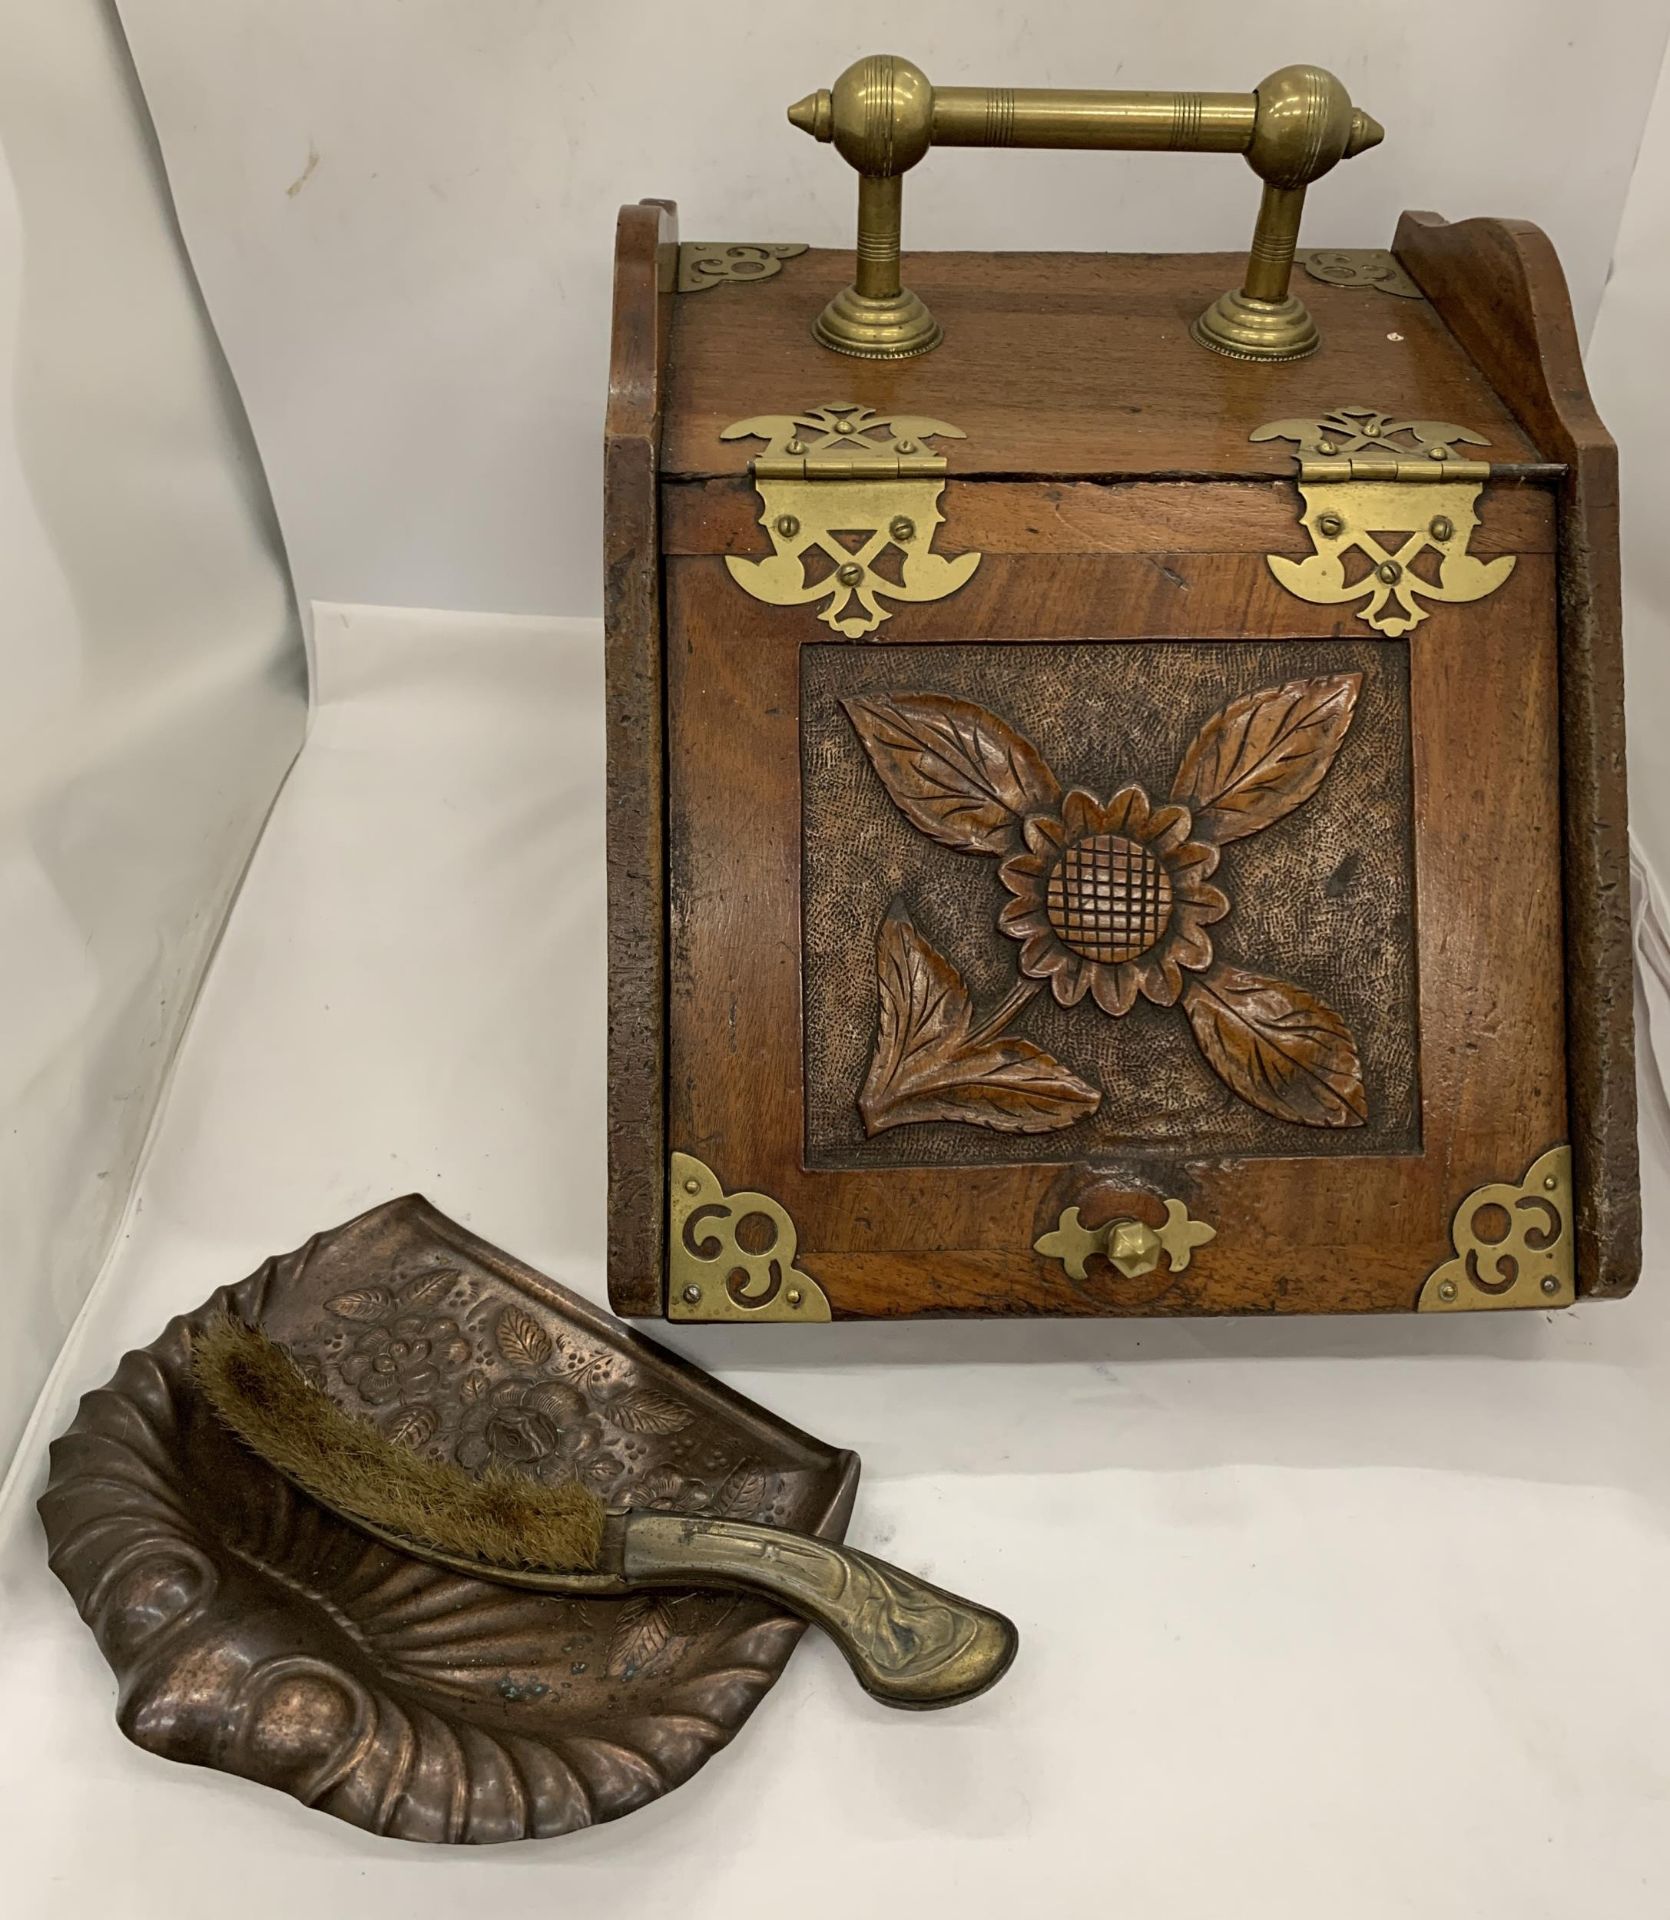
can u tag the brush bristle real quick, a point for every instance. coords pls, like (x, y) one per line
(502, 1519)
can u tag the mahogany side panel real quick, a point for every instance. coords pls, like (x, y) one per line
(1498, 285)
(646, 252)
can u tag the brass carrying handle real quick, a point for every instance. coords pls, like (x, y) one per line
(910, 1644)
(883, 114)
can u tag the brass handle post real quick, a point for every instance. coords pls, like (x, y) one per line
(883, 114)
(909, 1644)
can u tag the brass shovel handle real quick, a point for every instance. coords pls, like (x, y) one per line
(883, 114)
(910, 1644)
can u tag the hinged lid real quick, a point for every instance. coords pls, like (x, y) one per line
(1067, 366)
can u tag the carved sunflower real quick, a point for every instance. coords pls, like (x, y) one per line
(1111, 900)
(1108, 900)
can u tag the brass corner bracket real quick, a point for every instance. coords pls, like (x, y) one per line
(1131, 1245)
(1514, 1245)
(705, 263)
(1359, 268)
(842, 469)
(730, 1256)
(1362, 472)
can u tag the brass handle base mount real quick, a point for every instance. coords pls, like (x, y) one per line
(892, 326)
(1242, 327)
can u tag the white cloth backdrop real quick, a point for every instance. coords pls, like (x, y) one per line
(1320, 1618)
(149, 650)
(1629, 373)
(403, 210)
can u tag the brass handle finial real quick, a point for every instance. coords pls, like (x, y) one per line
(880, 116)
(1303, 126)
(883, 114)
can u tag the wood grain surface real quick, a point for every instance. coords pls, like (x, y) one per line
(1108, 482)
(646, 253)
(1498, 285)
(1295, 1234)
(1072, 364)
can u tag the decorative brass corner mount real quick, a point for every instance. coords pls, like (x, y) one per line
(845, 469)
(705, 263)
(1361, 472)
(1131, 1245)
(712, 1274)
(1514, 1245)
(1360, 267)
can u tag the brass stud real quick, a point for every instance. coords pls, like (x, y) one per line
(692, 1186)
(843, 426)
(793, 1296)
(1438, 453)
(1331, 524)
(902, 528)
(1390, 572)
(787, 525)
(1550, 1284)
(1446, 1290)
(692, 1294)
(1442, 528)
(1550, 1183)
(1371, 429)
(1133, 1247)
(850, 574)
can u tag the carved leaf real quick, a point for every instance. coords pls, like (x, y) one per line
(741, 1493)
(361, 1303)
(521, 1339)
(643, 1628)
(413, 1426)
(646, 1412)
(428, 1286)
(1263, 755)
(1278, 1047)
(928, 1065)
(961, 774)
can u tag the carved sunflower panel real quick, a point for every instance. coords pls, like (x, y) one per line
(1111, 897)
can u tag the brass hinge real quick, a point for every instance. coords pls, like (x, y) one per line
(889, 465)
(886, 501)
(1436, 468)
(1361, 473)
